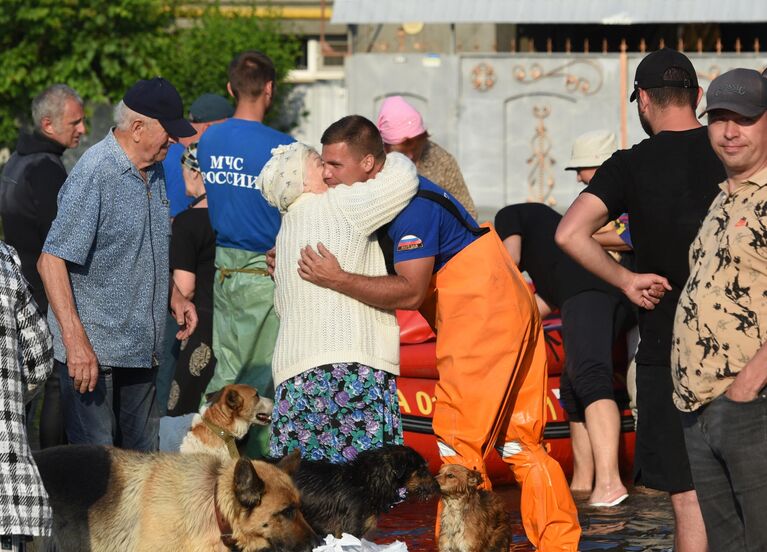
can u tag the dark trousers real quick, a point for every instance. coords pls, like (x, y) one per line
(591, 321)
(727, 446)
(47, 430)
(120, 411)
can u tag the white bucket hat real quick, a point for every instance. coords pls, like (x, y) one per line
(592, 149)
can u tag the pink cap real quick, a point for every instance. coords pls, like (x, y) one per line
(398, 120)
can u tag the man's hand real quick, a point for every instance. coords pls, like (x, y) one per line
(740, 391)
(646, 290)
(271, 261)
(184, 312)
(82, 364)
(749, 381)
(320, 268)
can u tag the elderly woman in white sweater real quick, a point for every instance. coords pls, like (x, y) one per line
(336, 360)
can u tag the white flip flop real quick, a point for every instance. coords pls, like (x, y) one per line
(609, 504)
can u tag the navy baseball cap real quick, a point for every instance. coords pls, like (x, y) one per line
(650, 71)
(742, 91)
(157, 98)
(210, 107)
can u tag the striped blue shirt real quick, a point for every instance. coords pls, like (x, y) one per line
(113, 230)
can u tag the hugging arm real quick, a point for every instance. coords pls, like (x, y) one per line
(404, 290)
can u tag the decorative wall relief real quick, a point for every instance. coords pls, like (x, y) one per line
(713, 72)
(580, 76)
(540, 179)
(483, 77)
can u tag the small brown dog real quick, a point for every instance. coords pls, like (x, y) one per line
(226, 418)
(472, 520)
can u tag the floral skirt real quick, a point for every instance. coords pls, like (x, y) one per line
(334, 411)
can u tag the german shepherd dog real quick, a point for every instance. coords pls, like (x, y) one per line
(226, 418)
(106, 499)
(348, 498)
(472, 520)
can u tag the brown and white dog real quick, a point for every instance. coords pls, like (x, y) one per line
(472, 520)
(106, 499)
(226, 418)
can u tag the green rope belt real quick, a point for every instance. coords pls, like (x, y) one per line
(226, 272)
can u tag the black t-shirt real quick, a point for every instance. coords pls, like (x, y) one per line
(666, 184)
(555, 275)
(193, 248)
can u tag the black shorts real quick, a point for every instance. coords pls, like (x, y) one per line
(660, 460)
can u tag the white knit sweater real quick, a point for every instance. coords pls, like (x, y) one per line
(320, 326)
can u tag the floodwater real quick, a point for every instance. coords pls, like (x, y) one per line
(643, 522)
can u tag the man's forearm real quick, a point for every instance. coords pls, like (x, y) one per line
(175, 294)
(82, 362)
(53, 272)
(574, 236)
(588, 252)
(384, 292)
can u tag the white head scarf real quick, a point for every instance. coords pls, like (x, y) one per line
(282, 179)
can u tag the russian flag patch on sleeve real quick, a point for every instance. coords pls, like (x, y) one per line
(409, 242)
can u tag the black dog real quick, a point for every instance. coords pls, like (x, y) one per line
(348, 498)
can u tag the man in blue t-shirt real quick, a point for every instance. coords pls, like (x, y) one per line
(426, 229)
(491, 356)
(231, 156)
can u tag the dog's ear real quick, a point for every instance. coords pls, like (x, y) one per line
(248, 487)
(212, 397)
(234, 400)
(291, 462)
(474, 479)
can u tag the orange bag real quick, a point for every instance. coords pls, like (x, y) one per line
(491, 359)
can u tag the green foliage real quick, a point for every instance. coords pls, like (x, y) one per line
(198, 58)
(101, 47)
(98, 47)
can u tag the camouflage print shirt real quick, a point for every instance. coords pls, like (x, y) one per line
(440, 167)
(723, 307)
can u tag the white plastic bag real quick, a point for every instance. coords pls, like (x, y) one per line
(350, 543)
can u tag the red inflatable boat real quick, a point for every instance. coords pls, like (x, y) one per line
(419, 375)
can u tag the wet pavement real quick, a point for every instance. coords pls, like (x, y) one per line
(643, 522)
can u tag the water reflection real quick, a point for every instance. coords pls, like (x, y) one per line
(643, 522)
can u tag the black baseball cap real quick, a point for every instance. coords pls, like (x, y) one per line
(157, 98)
(649, 73)
(742, 91)
(210, 107)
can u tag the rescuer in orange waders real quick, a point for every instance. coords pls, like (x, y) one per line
(491, 355)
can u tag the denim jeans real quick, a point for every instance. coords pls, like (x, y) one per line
(727, 445)
(120, 411)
